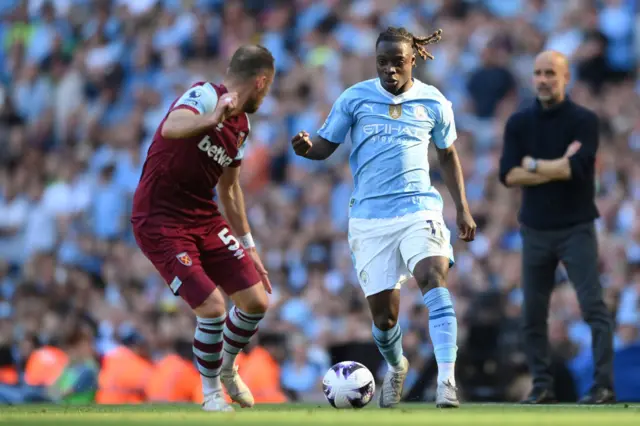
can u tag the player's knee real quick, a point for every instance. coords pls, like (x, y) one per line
(384, 321)
(256, 306)
(429, 276)
(213, 306)
(253, 300)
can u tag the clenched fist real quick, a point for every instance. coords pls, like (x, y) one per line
(301, 143)
(226, 105)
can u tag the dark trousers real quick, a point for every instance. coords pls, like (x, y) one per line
(577, 248)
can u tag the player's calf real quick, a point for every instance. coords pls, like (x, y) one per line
(384, 307)
(207, 346)
(389, 342)
(249, 308)
(388, 337)
(430, 273)
(240, 326)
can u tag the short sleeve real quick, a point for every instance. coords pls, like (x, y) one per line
(444, 131)
(240, 155)
(199, 99)
(337, 125)
(243, 144)
(237, 161)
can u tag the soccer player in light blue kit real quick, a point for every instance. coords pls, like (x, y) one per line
(395, 214)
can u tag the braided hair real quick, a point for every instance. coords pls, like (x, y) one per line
(418, 43)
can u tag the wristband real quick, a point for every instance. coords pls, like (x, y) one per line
(247, 241)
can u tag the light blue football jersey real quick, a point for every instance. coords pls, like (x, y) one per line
(390, 136)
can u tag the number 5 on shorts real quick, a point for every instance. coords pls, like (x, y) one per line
(231, 242)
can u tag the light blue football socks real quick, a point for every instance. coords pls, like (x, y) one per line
(443, 329)
(390, 344)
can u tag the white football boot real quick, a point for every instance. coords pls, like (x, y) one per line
(447, 395)
(392, 386)
(236, 388)
(216, 402)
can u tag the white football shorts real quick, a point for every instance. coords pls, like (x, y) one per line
(386, 251)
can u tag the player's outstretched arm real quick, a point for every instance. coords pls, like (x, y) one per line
(454, 179)
(184, 123)
(232, 200)
(316, 148)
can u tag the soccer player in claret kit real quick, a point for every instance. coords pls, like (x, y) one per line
(395, 214)
(198, 147)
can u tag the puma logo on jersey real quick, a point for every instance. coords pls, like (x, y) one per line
(217, 153)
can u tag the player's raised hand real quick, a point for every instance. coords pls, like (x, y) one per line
(466, 226)
(227, 104)
(260, 268)
(301, 143)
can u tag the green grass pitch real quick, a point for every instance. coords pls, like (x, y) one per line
(311, 415)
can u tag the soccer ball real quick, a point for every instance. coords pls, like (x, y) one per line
(348, 384)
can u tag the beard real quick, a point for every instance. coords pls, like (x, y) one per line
(545, 94)
(252, 104)
(251, 107)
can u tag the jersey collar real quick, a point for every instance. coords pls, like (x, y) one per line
(398, 99)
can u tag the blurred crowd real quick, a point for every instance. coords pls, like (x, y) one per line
(84, 83)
